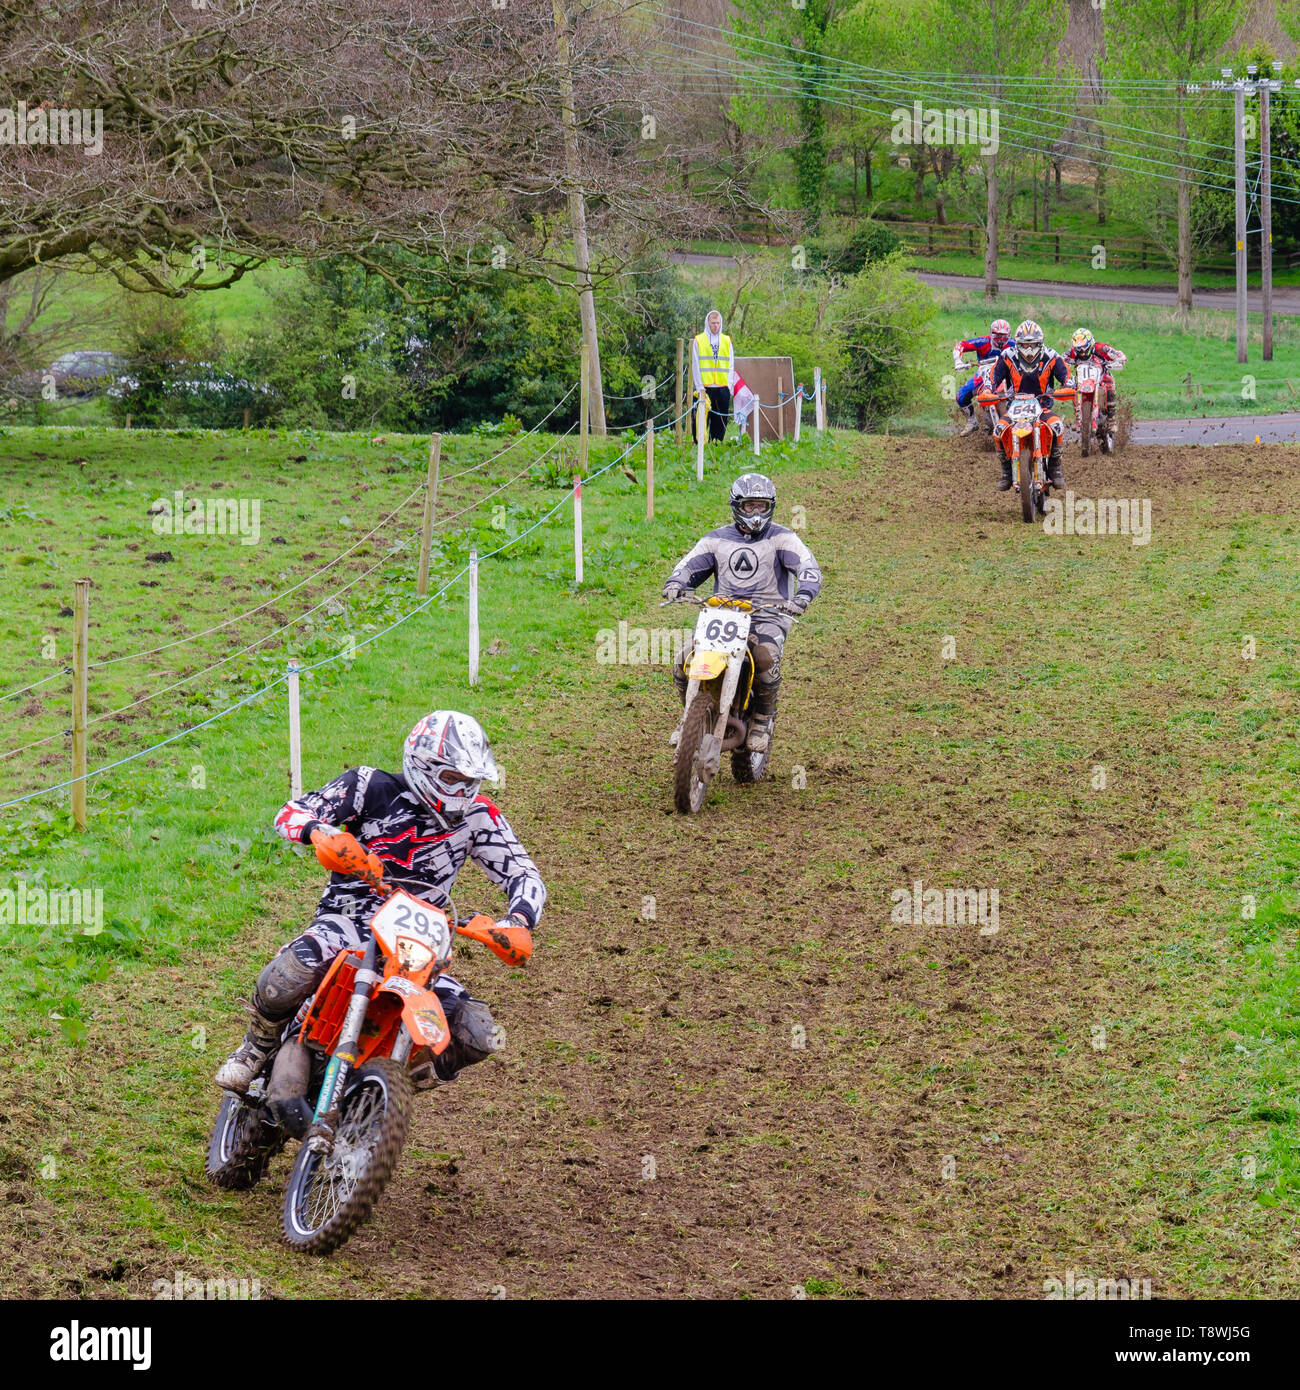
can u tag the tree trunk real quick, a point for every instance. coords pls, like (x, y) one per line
(1047, 196)
(991, 229)
(1184, 223)
(578, 223)
(1101, 179)
(866, 160)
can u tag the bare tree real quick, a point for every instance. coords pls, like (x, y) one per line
(237, 132)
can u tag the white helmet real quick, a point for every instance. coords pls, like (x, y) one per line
(445, 759)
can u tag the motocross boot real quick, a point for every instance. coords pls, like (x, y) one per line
(247, 1060)
(762, 718)
(681, 682)
(1004, 482)
(281, 987)
(972, 421)
(1054, 474)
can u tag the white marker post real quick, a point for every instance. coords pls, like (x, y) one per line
(818, 400)
(650, 471)
(577, 529)
(798, 410)
(757, 411)
(701, 428)
(473, 615)
(295, 733)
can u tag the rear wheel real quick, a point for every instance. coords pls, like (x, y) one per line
(1025, 477)
(748, 766)
(1085, 426)
(329, 1195)
(241, 1145)
(690, 781)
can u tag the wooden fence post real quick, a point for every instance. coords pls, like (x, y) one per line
(80, 641)
(430, 500)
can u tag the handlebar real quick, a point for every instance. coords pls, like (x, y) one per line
(749, 605)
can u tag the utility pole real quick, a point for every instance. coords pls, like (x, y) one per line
(1239, 159)
(1266, 212)
(578, 217)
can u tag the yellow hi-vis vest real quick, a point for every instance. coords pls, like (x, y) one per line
(714, 371)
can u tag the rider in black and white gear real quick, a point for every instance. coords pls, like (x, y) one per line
(423, 824)
(755, 559)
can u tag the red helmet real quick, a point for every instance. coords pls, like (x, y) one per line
(999, 333)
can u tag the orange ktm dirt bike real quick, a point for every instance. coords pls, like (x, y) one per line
(345, 1075)
(1027, 441)
(719, 699)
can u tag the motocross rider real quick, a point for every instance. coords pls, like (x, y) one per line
(423, 824)
(1085, 348)
(986, 349)
(755, 559)
(1030, 368)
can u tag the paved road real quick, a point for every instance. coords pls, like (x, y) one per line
(1286, 302)
(1232, 429)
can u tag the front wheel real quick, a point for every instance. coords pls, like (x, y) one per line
(330, 1194)
(241, 1145)
(1085, 426)
(690, 780)
(1025, 477)
(1106, 432)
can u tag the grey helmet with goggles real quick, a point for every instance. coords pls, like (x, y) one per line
(1029, 343)
(753, 503)
(444, 761)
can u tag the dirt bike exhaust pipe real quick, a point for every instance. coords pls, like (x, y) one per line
(736, 734)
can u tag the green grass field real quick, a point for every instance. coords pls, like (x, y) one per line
(1107, 1084)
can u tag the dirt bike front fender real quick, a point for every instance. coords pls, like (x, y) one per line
(706, 666)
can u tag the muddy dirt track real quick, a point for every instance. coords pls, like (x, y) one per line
(729, 1072)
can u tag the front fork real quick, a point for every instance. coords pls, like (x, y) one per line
(320, 1138)
(710, 750)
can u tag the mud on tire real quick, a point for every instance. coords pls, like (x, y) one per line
(241, 1146)
(699, 720)
(324, 1202)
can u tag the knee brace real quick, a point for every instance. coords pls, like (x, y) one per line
(285, 982)
(767, 663)
(474, 1030)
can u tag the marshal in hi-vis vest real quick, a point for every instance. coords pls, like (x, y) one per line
(714, 371)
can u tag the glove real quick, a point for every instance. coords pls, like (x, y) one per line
(673, 591)
(798, 605)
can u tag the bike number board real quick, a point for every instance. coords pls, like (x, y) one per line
(722, 630)
(1088, 372)
(1023, 412)
(404, 917)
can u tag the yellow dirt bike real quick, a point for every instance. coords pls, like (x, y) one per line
(719, 699)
